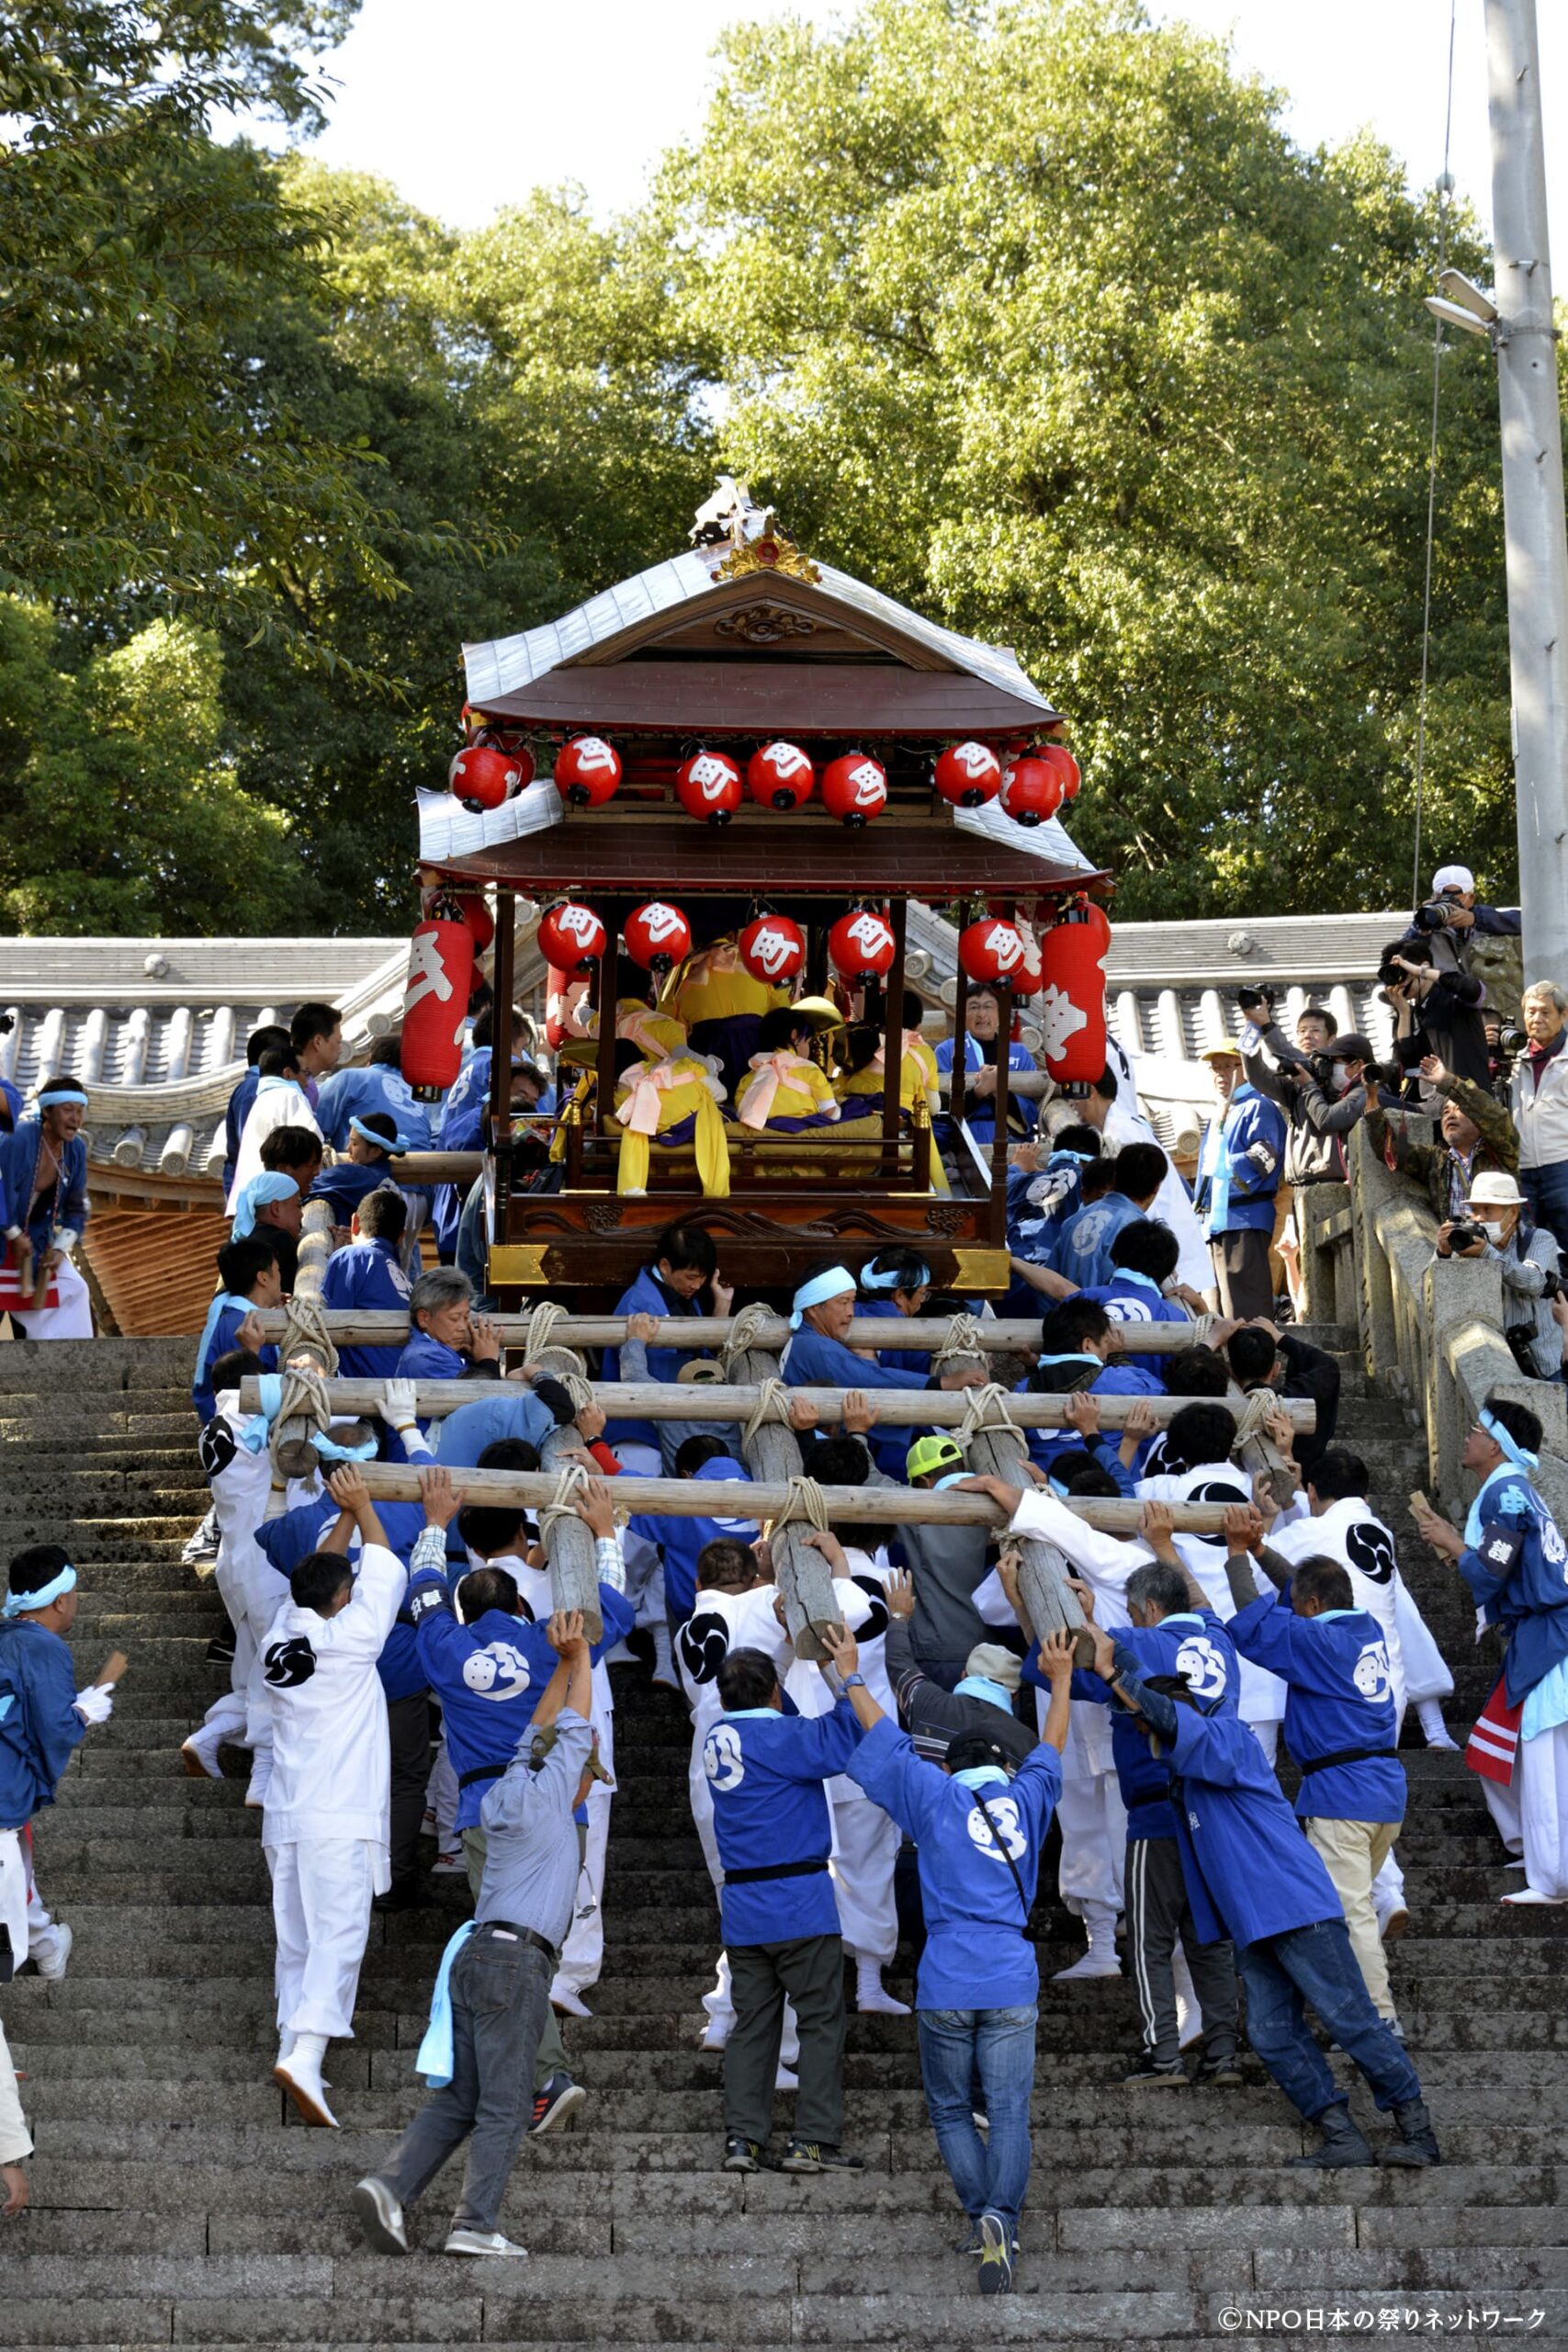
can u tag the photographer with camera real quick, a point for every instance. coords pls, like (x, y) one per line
(1446, 926)
(1477, 1137)
(1539, 1095)
(1494, 1226)
(1436, 1012)
(1322, 1085)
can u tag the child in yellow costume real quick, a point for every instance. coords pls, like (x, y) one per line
(671, 1101)
(784, 1092)
(723, 1007)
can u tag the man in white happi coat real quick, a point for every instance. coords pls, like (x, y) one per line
(326, 1824)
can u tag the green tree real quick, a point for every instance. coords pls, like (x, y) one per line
(151, 461)
(1033, 314)
(122, 814)
(520, 382)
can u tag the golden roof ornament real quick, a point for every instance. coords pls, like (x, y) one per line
(749, 535)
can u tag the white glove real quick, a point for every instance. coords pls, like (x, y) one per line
(96, 1703)
(399, 1404)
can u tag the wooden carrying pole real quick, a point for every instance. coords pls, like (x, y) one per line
(699, 1400)
(295, 1455)
(397, 1482)
(772, 1456)
(384, 1327)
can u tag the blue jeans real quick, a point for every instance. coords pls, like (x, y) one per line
(1316, 1965)
(997, 2046)
(1546, 1189)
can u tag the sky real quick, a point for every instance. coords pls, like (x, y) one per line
(467, 104)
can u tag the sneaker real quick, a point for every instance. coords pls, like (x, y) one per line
(1220, 2074)
(560, 2098)
(199, 1754)
(203, 1543)
(52, 1963)
(741, 2154)
(450, 1864)
(380, 2216)
(483, 2242)
(1157, 2073)
(996, 2255)
(220, 1649)
(816, 2155)
(975, 2242)
(1394, 1923)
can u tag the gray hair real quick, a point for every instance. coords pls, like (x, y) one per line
(442, 1287)
(1548, 988)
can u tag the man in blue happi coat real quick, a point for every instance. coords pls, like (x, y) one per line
(1238, 1179)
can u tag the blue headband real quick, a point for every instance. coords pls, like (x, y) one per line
(812, 1294)
(1520, 1455)
(22, 1604)
(871, 1279)
(980, 1685)
(49, 1094)
(399, 1142)
(982, 1776)
(268, 1186)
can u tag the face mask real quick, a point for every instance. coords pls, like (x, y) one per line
(1494, 1232)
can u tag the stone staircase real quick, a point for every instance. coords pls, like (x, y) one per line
(177, 2199)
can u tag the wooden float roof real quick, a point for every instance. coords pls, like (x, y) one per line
(787, 857)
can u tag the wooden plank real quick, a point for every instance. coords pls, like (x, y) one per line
(739, 1498)
(677, 1400)
(996, 1336)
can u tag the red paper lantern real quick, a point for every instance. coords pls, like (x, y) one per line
(854, 788)
(992, 952)
(436, 1005)
(657, 935)
(862, 945)
(483, 778)
(1061, 762)
(1030, 977)
(708, 785)
(587, 771)
(781, 775)
(773, 949)
(1071, 1010)
(968, 773)
(1031, 790)
(572, 937)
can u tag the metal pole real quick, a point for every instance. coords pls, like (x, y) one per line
(1532, 483)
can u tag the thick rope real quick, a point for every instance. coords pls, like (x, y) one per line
(771, 1404)
(578, 1387)
(305, 1333)
(304, 1398)
(745, 1333)
(1205, 1325)
(1251, 1413)
(571, 1483)
(962, 1338)
(804, 1501)
(985, 1410)
(541, 1321)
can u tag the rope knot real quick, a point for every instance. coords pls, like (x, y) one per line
(987, 1409)
(962, 1338)
(573, 1479)
(772, 1404)
(804, 1500)
(746, 1331)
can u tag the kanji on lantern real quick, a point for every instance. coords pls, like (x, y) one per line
(781, 775)
(773, 949)
(657, 935)
(992, 952)
(482, 777)
(1031, 790)
(708, 786)
(571, 935)
(854, 788)
(436, 1004)
(587, 771)
(862, 945)
(1071, 1005)
(968, 774)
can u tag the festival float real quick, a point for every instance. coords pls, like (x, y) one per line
(717, 789)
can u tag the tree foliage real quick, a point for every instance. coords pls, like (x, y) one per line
(1034, 315)
(1027, 312)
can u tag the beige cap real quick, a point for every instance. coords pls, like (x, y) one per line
(1493, 1188)
(995, 1663)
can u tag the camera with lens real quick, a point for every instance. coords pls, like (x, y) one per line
(1465, 1235)
(1256, 1003)
(1511, 1041)
(1437, 914)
